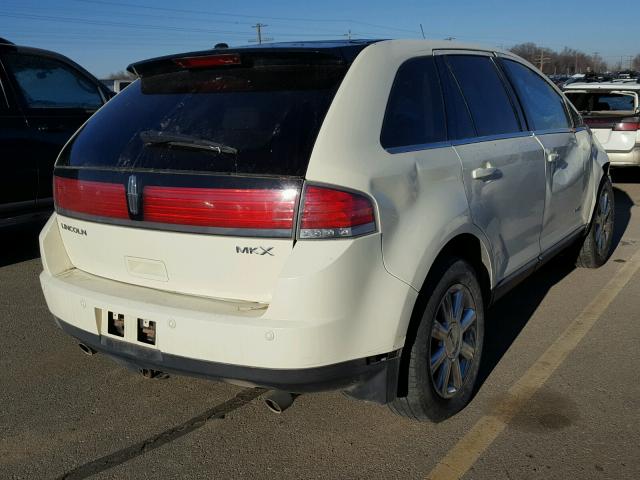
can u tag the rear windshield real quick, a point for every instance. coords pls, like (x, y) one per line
(246, 120)
(602, 101)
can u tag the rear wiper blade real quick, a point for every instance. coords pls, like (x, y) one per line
(154, 137)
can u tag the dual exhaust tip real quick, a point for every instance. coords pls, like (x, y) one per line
(277, 401)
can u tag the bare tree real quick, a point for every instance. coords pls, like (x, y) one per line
(568, 61)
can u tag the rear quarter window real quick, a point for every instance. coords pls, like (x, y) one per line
(415, 111)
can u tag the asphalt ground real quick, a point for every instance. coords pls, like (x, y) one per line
(559, 394)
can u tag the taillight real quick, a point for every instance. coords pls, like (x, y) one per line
(209, 61)
(627, 125)
(98, 199)
(329, 213)
(271, 211)
(598, 123)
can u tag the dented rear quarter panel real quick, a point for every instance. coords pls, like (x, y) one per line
(420, 198)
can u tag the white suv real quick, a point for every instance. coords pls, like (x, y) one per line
(318, 216)
(612, 110)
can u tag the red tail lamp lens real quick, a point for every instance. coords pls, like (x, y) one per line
(329, 213)
(99, 199)
(262, 209)
(627, 127)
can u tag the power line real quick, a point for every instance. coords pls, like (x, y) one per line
(237, 15)
(85, 21)
(112, 24)
(190, 18)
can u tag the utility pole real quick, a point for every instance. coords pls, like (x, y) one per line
(259, 38)
(450, 38)
(542, 60)
(348, 34)
(422, 30)
(259, 26)
(595, 62)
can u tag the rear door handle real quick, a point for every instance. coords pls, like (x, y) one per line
(484, 173)
(552, 156)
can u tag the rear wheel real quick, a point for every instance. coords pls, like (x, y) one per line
(445, 356)
(597, 244)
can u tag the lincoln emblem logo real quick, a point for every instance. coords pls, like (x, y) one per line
(132, 195)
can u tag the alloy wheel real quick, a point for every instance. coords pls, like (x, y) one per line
(453, 341)
(603, 224)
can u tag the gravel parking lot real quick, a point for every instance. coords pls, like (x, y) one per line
(560, 394)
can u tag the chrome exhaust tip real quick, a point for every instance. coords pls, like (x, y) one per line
(278, 401)
(87, 350)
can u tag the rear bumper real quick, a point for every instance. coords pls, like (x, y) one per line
(625, 159)
(373, 379)
(327, 327)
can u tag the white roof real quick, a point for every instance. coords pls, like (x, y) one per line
(603, 86)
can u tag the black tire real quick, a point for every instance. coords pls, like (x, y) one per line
(597, 244)
(427, 396)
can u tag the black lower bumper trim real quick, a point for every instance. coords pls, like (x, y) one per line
(372, 378)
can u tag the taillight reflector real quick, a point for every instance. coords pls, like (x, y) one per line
(598, 123)
(99, 199)
(626, 126)
(209, 61)
(329, 213)
(262, 209)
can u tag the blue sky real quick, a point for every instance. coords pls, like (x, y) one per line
(107, 35)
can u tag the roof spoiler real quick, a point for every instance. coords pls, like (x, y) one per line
(245, 57)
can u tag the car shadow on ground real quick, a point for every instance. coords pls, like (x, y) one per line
(507, 318)
(625, 175)
(20, 242)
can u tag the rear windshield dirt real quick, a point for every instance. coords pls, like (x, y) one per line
(264, 119)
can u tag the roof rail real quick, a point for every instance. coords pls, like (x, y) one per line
(5, 41)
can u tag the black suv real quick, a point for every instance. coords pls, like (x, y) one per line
(44, 98)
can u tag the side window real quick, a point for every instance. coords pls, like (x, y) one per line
(415, 114)
(48, 83)
(486, 96)
(544, 107)
(459, 123)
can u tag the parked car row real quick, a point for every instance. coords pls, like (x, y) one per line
(259, 216)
